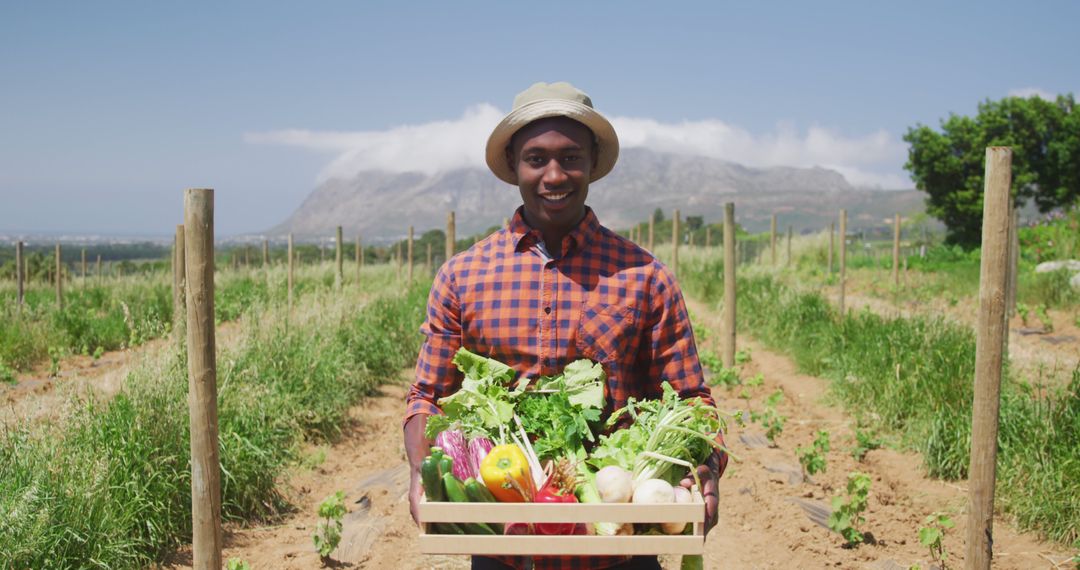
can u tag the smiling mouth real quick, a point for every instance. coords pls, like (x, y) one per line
(556, 198)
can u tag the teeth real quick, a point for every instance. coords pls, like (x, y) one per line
(556, 197)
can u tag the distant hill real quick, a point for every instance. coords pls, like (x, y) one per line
(381, 205)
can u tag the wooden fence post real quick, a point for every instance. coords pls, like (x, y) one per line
(451, 235)
(20, 273)
(339, 277)
(84, 266)
(993, 278)
(790, 231)
(675, 243)
(290, 272)
(728, 334)
(843, 258)
(708, 235)
(202, 379)
(832, 244)
(98, 269)
(59, 280)
(772, 239)
(179, 294)
(896, 251)
(428, 265)
(410, 256)
(652, 226)
(266, 253)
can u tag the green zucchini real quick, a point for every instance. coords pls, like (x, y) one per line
(479, 493)
(455, 492)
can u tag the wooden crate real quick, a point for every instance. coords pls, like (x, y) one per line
(562, 545)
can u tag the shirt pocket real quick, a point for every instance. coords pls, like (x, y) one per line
(607, 333)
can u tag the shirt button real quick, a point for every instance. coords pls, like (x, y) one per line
(547, 310)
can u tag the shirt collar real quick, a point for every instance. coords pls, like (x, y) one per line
(524, 236)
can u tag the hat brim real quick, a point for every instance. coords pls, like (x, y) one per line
(606, 139)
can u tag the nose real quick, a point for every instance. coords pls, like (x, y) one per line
(554, 175)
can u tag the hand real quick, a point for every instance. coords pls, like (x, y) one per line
(415, 490)
(709, 473)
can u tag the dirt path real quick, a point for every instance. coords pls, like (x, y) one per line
(764, 499)
(36, 395)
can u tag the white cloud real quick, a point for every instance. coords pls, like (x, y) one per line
(870, 160)
(1027, 92)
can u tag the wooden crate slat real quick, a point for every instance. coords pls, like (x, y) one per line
(561, 545)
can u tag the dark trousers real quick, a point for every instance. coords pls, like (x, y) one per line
(635, 563)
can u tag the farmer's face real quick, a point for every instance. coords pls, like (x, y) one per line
(553, 159)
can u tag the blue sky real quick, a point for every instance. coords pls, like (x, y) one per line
(108, 109)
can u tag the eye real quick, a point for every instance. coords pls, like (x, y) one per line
(534, 160)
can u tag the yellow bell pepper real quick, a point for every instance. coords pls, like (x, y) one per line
(505, 471)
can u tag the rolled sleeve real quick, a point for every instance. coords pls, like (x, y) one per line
(436, 375)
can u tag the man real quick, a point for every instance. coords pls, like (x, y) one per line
(556, 286)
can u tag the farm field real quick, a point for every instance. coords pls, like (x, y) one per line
(311, 400)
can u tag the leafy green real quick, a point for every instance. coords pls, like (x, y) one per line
(666, 432)
(484, 406)
(562, 412)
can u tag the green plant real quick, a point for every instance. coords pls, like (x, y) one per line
(237, 564)
(724, 376)
(932, 534)
(55, 354)
(864, 442)
(742, 356)
(1044, 318)
(7, 375)
(769, 418)
(813, 458)
(846, 517)
(98, 352)
(1023, 310)
(756, 381)
(328, 535)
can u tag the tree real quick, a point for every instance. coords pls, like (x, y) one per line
(694, 223)
(658, 215)
(948, 165)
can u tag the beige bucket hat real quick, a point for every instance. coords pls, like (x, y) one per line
(544, 100)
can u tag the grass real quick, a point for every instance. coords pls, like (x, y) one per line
(110, 487)
(127, 311)
(912, 378)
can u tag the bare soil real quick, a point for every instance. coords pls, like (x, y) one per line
(770, 513)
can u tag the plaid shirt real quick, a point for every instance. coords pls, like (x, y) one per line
(603, 298)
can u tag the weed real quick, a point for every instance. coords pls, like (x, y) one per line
(933, 533)
(846, 517)
(1044, 318)
(742, 356)
(770, 419)
(98, 352)
(328, 535)
(813, 458)
(725, 376)
(1024, 311)
(237, 564)
(55, 354)
(756, 381)
(7, 374)
(864, 442)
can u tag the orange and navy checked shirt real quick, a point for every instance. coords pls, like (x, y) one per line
(600, 297)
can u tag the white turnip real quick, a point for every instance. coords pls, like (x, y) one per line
(615, 484)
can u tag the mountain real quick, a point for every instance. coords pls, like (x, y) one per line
(381, 205)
